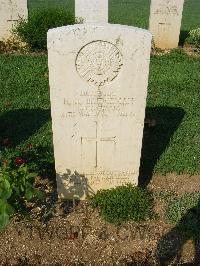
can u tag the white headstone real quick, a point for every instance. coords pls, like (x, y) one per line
(10, 12)
(91, 11)
(165, 22)
(98, 85)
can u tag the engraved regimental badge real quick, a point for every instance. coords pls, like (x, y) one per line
(99, 62)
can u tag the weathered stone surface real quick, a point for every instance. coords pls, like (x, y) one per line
(98, 85)
(165, 22)
(10, 12)
(91, 11)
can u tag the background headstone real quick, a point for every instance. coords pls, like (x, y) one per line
(165, 22)
(91, 11)
(10, 12)
(98, 85)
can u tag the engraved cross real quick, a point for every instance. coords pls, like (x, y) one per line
(10, 20)
(11, 17)
(97, 139)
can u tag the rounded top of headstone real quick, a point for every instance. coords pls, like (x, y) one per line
(97, 25)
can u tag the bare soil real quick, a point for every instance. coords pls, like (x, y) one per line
(69, 233)
(188, 49)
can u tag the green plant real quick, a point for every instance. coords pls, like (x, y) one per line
(194, 39)
(164, 196)
(34, 30)
(123, 203)
(15, 187)
(37, 158)
(179, 207)
(184, 212)
(12, 44)
(17, 181)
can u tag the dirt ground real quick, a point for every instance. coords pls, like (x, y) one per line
(66, 233)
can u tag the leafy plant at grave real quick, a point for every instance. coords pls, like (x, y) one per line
(194, 39)
(185, 213)
(17, 182)
(123, 203)
(12, 44)
(16, 186)
(38, 158)
(178, 207)
(164, 196)
(34, 30)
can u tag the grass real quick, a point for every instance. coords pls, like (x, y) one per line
(184, 212)
(69, 4)
(134, 12)
(24, 99)
(173, 100)
(173, 145)
(179, 207)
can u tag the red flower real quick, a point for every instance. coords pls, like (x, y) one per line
(19, 161)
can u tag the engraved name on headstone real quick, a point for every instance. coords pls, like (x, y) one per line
(91, 11)
(165, 22)
(98, 88)
(10, 12)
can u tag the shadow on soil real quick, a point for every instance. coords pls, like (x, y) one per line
(71, 187)
(18, 125)
(170, 246)
(160, 125)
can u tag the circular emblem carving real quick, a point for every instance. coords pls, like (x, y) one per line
(99, 62)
